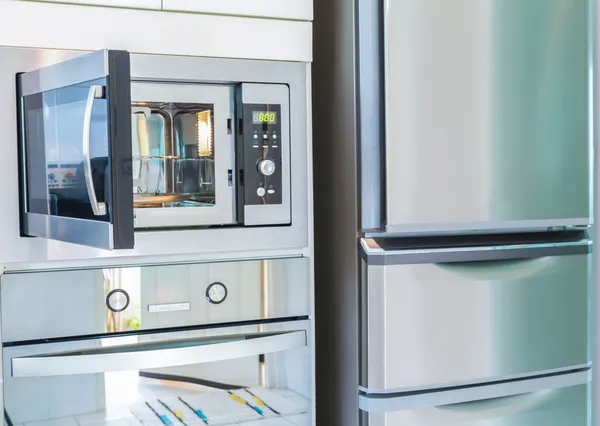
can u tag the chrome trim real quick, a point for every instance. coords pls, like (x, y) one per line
(169, 307)
(473, 393)
(99, 209)
(156, 355)
(80, 69)
(264, 313)
(375, 255)
(78, 231)
(370, 111)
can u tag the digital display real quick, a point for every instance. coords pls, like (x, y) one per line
(264, 117)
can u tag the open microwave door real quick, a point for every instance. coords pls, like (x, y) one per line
(75, 151)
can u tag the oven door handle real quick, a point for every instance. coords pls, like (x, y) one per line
(99, 209)
(149, 355)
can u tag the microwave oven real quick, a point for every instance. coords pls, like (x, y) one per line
(113, 143)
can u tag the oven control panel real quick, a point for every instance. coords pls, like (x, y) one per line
(263, 155)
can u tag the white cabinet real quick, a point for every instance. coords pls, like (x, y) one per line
(283, 9)
(137, 4)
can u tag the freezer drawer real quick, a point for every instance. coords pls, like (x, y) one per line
(555, 401)
(487, 112)
(468, 314)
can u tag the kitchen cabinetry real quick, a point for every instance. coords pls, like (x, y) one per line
(290, 9)
(297, 10)
(137, 4)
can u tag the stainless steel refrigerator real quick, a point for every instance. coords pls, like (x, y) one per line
(453, 203)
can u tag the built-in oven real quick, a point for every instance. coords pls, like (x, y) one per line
(113, 142)
(190, 344)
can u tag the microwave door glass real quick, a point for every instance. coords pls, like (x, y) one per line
(56, 153)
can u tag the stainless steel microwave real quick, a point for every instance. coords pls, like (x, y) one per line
(112, 143)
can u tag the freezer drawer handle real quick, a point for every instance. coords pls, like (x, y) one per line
(156, 354)
(99, 209)
(375, 254)
(505, 406)
(495, 270)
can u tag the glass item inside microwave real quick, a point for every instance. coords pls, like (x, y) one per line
(173, 155)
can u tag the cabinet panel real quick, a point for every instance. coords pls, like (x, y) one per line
(137, 4)
(289, 9)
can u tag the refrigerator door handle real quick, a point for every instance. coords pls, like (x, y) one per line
(497, 270)
(505, 406)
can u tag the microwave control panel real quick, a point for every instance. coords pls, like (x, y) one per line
(263, 155)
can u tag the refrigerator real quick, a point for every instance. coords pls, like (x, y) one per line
(454, 201)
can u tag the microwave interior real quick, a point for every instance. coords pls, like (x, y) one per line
(173, 155)
(183, 156)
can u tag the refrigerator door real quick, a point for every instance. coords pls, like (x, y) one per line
(551, 401)
(471, 312)
(487, 107)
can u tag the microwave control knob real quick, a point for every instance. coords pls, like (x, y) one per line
(266, 167)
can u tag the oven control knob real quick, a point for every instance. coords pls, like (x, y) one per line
(260, 191)
(117, 300)
(216, 293)
(266, 167)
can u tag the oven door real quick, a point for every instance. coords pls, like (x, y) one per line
(75, 151)
(254, 374)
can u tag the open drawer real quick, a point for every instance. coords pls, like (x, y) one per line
(551, 401)
(458, 311)
(219, 376)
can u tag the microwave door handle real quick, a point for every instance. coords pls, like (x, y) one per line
(160, 355)
(99, 209)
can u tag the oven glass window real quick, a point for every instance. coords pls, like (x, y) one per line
(173, 155)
